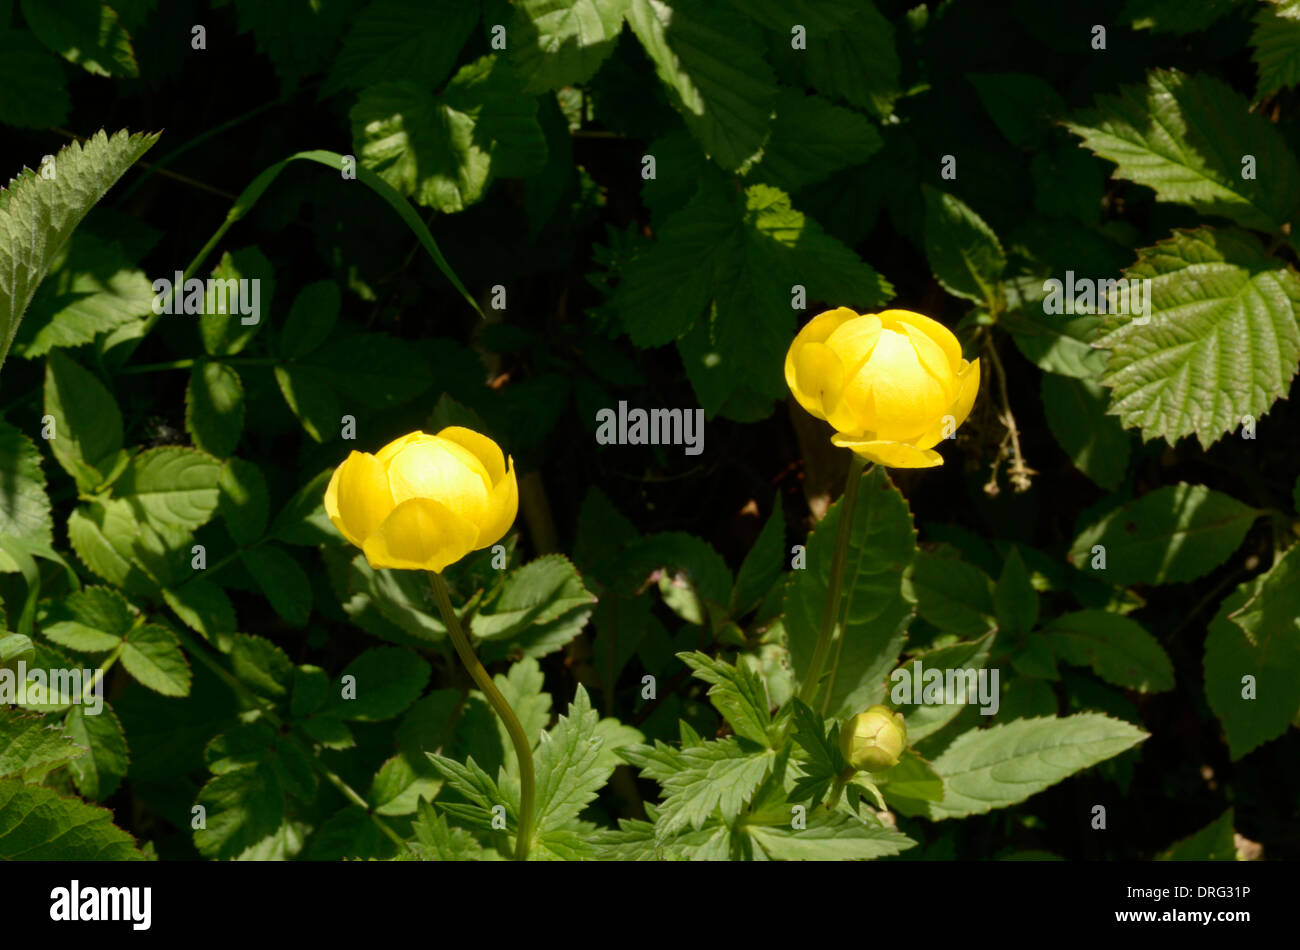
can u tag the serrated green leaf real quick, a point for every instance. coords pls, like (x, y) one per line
(262, 666)
(87, 425)
(1185, 136)
(170, 487)
(708, 58)
(101, 533)
(203, 607)
(24, 506)
(153, 655)
(37, 824)
(718, 776)
(29, 741)
(964, 253)
(737, 693)
(214, 408)
(811, 139)
(242, 807)
(927, 718)
(570, 767)
(386, 681)
(1222, 343)
(859, 63)
(953, 595)
(879, 603)
(1276, 47)
(1174, 534)
(558, 43)
(237, 300)
(1118, 649)
(1076, 415)
(402, 39)
(435, 840)
(85, 32)
(93, 620)
(282, 580)
(99, 772)
(830, 836)
(537, 593)
(1256, 634)
(992, 768)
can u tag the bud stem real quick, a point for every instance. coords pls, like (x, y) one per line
(523, 749)
(830, 612)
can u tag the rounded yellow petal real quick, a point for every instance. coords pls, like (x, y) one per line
(387, 453)
(420, 534)
(818, 379)
(358, 497)
(481, 447)
(936, 331)
(932, 358)
(815, 330)
(890, 454)
(893, 394)
(502, 508)
(442, 470)
(968, 383)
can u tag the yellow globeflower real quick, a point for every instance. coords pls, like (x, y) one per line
(892, 384)
(424, 501)
(873, 740)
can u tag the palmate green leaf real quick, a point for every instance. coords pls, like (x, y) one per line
(879, 603)
(33, 89)
(1222, 343)
(1118, 649)
(720, 776)
(824, 762)
(37, 824)
(1256, 634)
(413, 40)
(214, 408)
(709, 59)
(1174, 534)
(153, 655)
(557, 43)
(92, 288)
(964, 253)
(444, 150)
(829, 836)
(38, 215)
(283, 581)
(738, 694)
(1076, 415)
(992, 768)
(1276, 47)
(93, 620)
(87, 435)
(29, 741)
(480, 792)
(1184, 136)
(86, 32)
(170, 486)
(1215, 842)
(811, 139)
(24, 506)
(98, 773)
(858, 63)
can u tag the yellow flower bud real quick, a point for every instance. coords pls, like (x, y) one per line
(892, 384)
(873, 741)
(423, 501)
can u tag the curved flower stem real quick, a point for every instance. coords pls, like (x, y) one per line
(523, 749)
(844, 621)
(830, 612)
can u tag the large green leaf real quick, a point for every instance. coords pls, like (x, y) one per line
(953, 595)
(24, 506)
(877, 594)
(992, 768)
(1276, 43)
(152, 654)
(963, 251)
(413, 40)
(38, 215)
(858, 63)
(1176, 533)
(445, 149)
(829, 836)
(85, 32)
(557, 43)
(37, 824)
(283, 581)
(171, 486)
(214, 408)
(1076, 415)
(1118, 649)
(29, 741)
(99, 772)
(709, 58)
(1222, 343)
(1185, 137)
(1256, 634)
(93, 620)
(87, 435)
(811, 139)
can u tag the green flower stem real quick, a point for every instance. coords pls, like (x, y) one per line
(523, 749)
(839, 642)
(830, 612)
